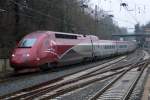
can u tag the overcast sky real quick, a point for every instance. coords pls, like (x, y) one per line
(139, 11)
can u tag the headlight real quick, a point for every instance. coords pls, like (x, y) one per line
(13, 55)
(28, 55)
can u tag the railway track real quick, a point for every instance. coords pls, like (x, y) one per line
(71, 82)
(74, 86)
(100, 85)
(36, 80)
(13, 76)
(121, 87)
(81, 73)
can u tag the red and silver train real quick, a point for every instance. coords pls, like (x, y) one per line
(44, 49)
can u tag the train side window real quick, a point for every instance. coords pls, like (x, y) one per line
(65, 36)
(113, 46)
(123, 46)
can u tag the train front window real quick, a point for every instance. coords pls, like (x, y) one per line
(27, 43)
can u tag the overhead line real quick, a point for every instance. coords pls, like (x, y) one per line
(124, 20)
(3, 10)
(21, 14)
(38, 12)
(132, 15)
(129, 12)
(33, 10)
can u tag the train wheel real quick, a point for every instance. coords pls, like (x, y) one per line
(45, 67)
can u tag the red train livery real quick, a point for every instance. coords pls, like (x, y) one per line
(42, 49)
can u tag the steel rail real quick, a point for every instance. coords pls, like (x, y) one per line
(102, 91)
(71, 88)
(129, 92)
(52, 81)
(27, 93)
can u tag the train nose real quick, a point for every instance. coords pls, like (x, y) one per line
(20, 59)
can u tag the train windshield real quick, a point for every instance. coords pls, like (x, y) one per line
(27, 43)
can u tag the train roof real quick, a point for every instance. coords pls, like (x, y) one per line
(39, 33)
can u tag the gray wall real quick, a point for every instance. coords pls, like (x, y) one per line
(4, 65)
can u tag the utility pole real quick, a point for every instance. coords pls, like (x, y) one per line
(96, 18)
(83, 5)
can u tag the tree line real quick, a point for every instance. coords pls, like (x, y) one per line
(20, 17)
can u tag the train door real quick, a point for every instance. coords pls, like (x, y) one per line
(43, 50)
(92, 49)
(48, 49)
(51, 47)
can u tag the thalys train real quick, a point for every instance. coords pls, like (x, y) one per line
(45, 49)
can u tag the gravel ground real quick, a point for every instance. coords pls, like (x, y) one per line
(25, 82)
(138, 91)
(86, 92)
